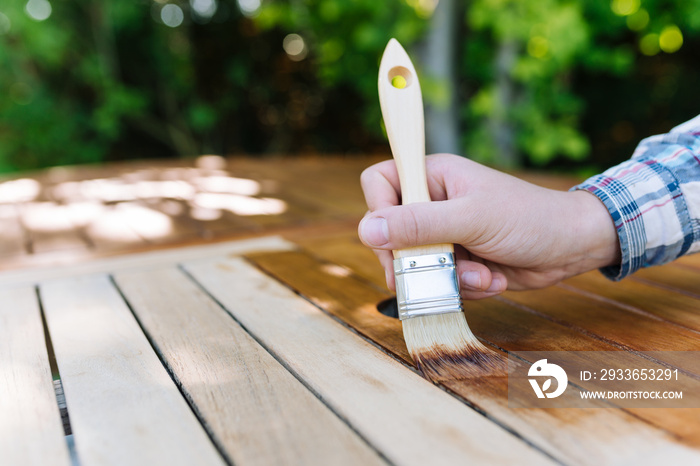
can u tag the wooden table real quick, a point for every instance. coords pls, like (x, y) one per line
(225, 336)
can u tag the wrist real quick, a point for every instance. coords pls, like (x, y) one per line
(594, 240)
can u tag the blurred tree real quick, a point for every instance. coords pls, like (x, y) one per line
(346, 39)
(528, 105)
(540, 82)
(439, 56)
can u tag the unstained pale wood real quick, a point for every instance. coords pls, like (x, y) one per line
(123, 406)
(402, 415)
(31, 432)
(254, 408)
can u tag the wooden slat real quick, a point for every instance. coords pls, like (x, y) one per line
(108, 231)
(405, 417)
(674, 276)
(691, 260)
(668, 305)
(257, 411)
(144, 259)
(12, 237)
(505, 326)
(515, 330)
(565, 433)
(347, 250)
(123, 406)
(31, 432)
(50, 228)
(614, 324)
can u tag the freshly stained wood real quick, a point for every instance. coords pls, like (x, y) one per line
(641, 297)
(146, 259)
(692, 260)
(12, 237)
(50, 228)
(345, 249)
(123, 406)
(402, 415)
(30, 424)
(614, 324)
(108, 231)
(257, 411)
(516, 330)
(674, 276)
(567, 434)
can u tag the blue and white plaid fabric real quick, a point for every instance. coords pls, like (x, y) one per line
(654, 199)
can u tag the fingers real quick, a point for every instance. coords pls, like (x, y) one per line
(400, 227)
(386, 258)
(476, 281)
(380, 184)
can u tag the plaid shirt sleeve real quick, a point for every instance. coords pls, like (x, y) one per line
(654, 199)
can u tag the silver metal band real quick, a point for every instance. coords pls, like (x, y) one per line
(427, 285)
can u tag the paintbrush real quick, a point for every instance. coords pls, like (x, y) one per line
(427, 288)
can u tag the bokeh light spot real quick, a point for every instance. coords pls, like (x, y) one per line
(172, 15)
(204, 9)
(5, 24)
(295, 47)
(649, 44)
(670, 39)
(538, 47)
(38, 10)
(639, 20)
(624, 7)
(249, 8)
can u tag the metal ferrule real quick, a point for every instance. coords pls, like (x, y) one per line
(427, 285)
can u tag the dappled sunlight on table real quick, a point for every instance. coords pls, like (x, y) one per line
(63, 214)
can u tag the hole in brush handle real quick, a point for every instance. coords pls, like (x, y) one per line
(400, 77)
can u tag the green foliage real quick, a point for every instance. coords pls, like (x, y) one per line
(554, 42)
(550, 80)
(346, 39)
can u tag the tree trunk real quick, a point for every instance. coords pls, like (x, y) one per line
(439, 61)
(500, 128)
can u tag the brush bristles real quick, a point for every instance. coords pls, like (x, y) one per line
(444, 348)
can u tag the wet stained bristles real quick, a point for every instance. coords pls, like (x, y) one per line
(444, 348)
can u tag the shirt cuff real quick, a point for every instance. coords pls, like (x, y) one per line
(646, 203)
(630, 232)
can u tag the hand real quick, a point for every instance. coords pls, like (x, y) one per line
(508, 233)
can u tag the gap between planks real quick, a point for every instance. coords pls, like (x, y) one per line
(382, 399)
(255, 410)
(124, 407)
(31, 432)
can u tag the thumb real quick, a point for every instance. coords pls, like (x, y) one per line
(400, 227)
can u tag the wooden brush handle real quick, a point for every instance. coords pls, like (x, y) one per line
(402, 109)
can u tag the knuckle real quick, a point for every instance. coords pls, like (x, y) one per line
(367, 175)
(410, 227)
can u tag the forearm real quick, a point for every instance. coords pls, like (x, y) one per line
(654, 200)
